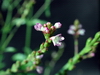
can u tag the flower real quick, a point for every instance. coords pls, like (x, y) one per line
(56, 40)
(40, 27)
(81, 31)
(76, 30)
(57, 25)
(91, 55)
(39, 56)
(39, 69)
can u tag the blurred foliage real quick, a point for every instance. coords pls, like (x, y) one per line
(18, 12)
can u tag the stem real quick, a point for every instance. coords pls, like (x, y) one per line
(3, 37)
(7, 22)
(75, 46)
(42, 8)
(28, 36)
(9, 38)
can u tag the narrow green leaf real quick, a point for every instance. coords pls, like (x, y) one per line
(34, 21)
(10, 49)
(18, 57)
(19, 21)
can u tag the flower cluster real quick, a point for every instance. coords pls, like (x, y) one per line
(73, 30)
(48, 28)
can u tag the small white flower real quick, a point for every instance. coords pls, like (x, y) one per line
(57, 40)
(81, 31)
(39, 56)
(57, 25)
(39, 69)
(70, 31)
(72, 27)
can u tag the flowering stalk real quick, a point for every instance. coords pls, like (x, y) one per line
(76, 30)
(76, 46)
(90, 46)
(35, 57)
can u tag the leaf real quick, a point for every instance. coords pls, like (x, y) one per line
(10, 49)
(34, 21)
(19, 21)
(2, 65)
(5, 4)
(27, 50)
(2, 72)
(18, 57)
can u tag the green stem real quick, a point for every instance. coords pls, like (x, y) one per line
(7, 22)
(9, 38)
(42, 8)
(3, 37)
(75, 46)
(28, 36)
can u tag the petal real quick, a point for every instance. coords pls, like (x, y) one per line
(81, 31)
(39, 56)
(46, 30)
(58, 44)
(62, 38)
(58, 25)
(39, 69)
(56, 40)
(70, 31)
(38, 26)
(72, 27)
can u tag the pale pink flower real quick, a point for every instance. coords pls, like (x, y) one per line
(76, 30)
(39, 69)
(57, 40)
(46, 30)
(91, 54)
(81, 31)
(57, 25)
(39, 56)
(70, 31)
(38, 27)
